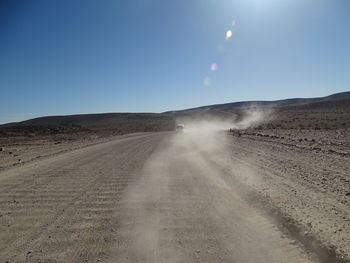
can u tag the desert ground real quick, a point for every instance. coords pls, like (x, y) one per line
(270, 190)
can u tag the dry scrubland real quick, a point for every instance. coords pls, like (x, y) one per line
(290, 162)
(43, 137)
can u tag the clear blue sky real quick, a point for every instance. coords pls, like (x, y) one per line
(67, 57)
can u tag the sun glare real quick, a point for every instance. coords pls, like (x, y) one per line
(228, 34)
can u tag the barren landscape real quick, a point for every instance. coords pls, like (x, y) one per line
(272, 184)
(152, 131)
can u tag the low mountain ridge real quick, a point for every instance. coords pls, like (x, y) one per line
(120, 123)
(293, 101)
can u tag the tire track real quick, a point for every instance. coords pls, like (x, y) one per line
(64, 207)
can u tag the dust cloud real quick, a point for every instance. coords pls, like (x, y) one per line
(201, 149)
(206, 134)
(252, 117)
(205, 142)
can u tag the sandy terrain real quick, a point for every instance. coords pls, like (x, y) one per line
(183, 210)
(18, 150)
(165, 197)
(61, 209)
(306, 175)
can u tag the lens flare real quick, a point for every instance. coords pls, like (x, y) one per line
(213, 67)
(207, 81)
(228, 34)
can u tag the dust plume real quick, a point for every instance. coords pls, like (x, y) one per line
(205, 142)
(252, 117)
(154, 205)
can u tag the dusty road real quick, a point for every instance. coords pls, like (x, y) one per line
(147, 198)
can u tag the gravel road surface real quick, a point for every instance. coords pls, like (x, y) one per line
(147, 198)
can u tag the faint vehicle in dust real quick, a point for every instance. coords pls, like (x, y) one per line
(180, 128)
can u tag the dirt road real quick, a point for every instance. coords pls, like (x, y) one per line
(147, 198)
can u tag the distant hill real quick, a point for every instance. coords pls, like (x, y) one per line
(330, 112)
(116, 123)
(90, 120)
(120, 123)
(240, 104)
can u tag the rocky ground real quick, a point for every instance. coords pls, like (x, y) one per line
(305, 174)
